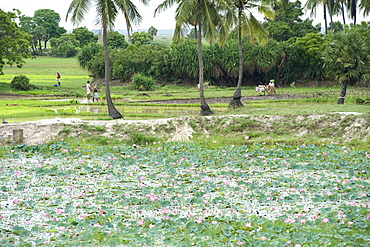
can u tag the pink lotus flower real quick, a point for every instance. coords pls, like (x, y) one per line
(246, 137)
(58, 211)
(200, 219)
(140, 223)
(349, 223)
(325, 220)
(263, 238)
(248, 225)
(239, 243)
(303, 221)
(62, 228)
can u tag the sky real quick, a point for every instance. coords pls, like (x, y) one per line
(163, 21)
(28, 7)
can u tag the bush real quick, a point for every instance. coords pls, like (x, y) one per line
(143, 83)
(361, 101)
(21, 82)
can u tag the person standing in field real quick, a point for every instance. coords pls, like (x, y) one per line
(88, 91)
(95, 95)
(58, 78)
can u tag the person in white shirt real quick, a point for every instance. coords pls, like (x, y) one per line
(88, 91)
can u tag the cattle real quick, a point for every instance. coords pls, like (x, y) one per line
(271, 89)
(261, 89)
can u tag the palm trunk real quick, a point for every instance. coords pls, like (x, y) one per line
(325, 20)
(205, 110)
(236, 101)
(330, 10)
(128, 32)
(343, 14)
(343, 91)
(113, 112)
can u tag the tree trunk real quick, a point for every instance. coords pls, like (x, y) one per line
(128, 32)
(236, 101)
(325, 20)
(113, 112)
(343, 13)
(205, 110)
(330, 10)
(343, 91)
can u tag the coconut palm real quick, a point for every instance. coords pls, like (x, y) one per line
(210, 23)
(107, 11)
(347, 58)
(327, 7)
(132, 16)
(249, 25)
(365, 7)
(352, 6)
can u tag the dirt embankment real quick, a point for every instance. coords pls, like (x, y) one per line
(345, 126)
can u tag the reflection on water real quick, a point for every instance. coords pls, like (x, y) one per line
(141, 110)
(87, 108)
(154, 111)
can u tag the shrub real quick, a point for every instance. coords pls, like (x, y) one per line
(143, 83)
(361, 101)
(21, 82)
(141, 139)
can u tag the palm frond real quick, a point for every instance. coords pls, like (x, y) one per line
(78, 9)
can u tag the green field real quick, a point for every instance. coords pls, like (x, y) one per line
(42, 102)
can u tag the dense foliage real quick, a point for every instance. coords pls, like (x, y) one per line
(43, 26)
(14, 43)
(294, 52)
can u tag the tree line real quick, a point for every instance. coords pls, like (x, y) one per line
(238, 50)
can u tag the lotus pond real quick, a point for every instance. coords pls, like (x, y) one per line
(184, 194)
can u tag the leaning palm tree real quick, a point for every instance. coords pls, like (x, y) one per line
(132, 15)
(209, 23)
(107, 11)
(249, 25)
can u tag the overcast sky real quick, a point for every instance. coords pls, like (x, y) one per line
(164, 21)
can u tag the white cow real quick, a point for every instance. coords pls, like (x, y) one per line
(261, 89)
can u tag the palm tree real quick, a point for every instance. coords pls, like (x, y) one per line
(248, 24)
(314, 4)
(205, 14)
(152, 31)
(347, 58)
(107, 11)
(365, 6)
(131, 14)
(352, 9)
